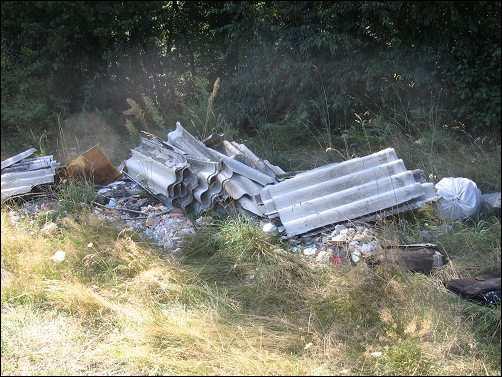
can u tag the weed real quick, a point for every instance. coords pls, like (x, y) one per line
(75, 196)
(405, 359)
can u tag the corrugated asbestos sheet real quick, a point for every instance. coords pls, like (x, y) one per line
(187, 173)
(358, 188)
(162, 171)
(20, 174)
(18, 157)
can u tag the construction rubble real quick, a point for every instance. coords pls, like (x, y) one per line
(20, 173)
(125, 201)
(183, 172)
(323, 212)
(195, 177)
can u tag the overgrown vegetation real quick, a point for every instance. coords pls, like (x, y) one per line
(302, 84)
(236, 304)
(306, 65)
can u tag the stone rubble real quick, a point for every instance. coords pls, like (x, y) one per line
(165, 226)
(345, 243)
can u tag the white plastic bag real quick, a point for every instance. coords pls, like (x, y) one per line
(459, 198)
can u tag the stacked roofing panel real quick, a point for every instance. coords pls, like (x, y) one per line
(20, 174)
(353, 189)
(188, 173)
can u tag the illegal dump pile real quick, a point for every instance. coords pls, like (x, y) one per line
(183, 172)
(196, 176)
(323, 213)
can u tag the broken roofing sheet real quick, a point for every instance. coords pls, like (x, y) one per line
(335, 193)
(188, 173)
(163, 171)
(20, 174)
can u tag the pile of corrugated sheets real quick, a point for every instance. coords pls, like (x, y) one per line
(363, 188)
(188, 174)
(20, 173)
(184, 172)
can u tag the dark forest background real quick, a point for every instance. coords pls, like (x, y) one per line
(281, 65)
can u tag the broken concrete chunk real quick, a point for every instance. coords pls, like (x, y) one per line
(269, 228)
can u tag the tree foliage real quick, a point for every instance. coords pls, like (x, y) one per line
(326, 60)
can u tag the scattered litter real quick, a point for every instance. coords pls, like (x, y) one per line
(59, 256)
(376, 354)
(20, 174)
(459, 198)
(169, 231)
(437, 259)
(90, 245)
(355, 256)
(311, 250)
(128, 202)
(357, 241)
(112, 203)
(296, 249)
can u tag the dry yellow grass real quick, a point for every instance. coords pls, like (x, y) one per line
(120, 307)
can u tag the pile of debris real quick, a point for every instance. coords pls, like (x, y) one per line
(183, 172)
(363, 188)
(352, 243)
(186, 173)
(124, 200)
(20, 173)
(189, 174)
